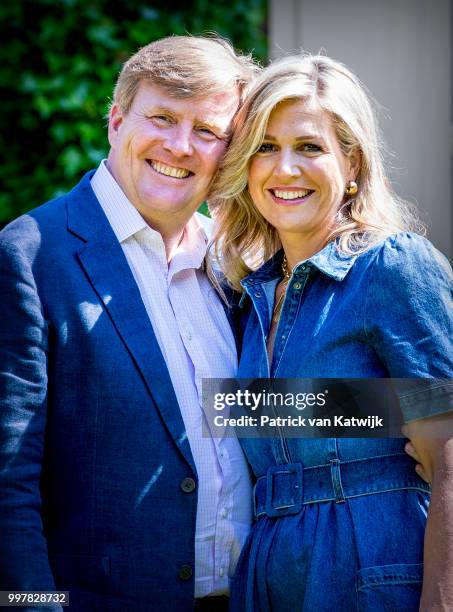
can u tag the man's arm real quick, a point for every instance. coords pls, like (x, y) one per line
(24, 560)
(432, 439)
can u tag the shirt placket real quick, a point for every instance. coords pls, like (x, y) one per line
(224, 528)
(290, 307)
(224, 532)
(259, 298)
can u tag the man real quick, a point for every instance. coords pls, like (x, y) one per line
(108, 325)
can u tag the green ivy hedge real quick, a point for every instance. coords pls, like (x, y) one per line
(59, 62)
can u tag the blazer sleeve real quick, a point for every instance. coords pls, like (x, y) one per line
(24, 561)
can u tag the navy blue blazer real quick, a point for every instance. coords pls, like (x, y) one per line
(97, 482)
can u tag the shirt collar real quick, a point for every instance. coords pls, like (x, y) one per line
(191, 251)
(122, 215)
(126, 221)
(330, 261)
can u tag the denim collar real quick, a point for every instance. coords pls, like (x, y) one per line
(330, 261)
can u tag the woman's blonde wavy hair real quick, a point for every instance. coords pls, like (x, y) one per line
(244, 239)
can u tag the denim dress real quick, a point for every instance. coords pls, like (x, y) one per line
(340, 522)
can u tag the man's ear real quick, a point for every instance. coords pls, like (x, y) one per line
(116, 118)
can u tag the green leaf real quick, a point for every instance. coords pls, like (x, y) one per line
(59, 64)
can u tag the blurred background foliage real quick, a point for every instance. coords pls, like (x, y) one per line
(58, 64)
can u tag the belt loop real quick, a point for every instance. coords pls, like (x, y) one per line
(336, 481)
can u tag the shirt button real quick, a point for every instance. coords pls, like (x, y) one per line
(297, 285)
(188, 485)
(221, 572)
(224, 513)
(189, 337)
(185, 572)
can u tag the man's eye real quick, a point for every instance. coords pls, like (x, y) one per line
(161, 119)
(207, 133)
(266, 147)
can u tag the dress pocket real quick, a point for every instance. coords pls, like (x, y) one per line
(392, 588)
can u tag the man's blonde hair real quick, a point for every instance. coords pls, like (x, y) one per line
(185, 67)
(244, 238)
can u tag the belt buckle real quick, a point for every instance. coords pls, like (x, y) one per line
(293, 471)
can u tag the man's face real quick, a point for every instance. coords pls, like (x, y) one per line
(165, 151)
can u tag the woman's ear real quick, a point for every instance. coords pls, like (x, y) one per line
(355, 163)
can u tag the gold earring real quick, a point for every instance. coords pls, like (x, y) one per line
(351, 189)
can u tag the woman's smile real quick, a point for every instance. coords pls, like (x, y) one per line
(290, 196)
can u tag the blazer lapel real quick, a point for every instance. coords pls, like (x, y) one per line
(107, 269)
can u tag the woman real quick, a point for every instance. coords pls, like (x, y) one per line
(345, 291)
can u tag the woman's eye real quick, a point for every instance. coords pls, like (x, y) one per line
(266, 147)
(310, 147)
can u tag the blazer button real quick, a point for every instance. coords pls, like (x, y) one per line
(185, 572)
(188, 485)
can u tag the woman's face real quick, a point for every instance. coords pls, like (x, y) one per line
(298, 177)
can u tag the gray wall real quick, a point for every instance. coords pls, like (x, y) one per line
(401, 50)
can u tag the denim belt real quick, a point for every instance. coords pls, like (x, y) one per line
(289, 486)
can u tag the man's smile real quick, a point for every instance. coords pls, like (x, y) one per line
(160, 168)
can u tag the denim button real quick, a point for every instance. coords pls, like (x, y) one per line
(188, 485)
(257, 294)
(297, 285)
(185, 572)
